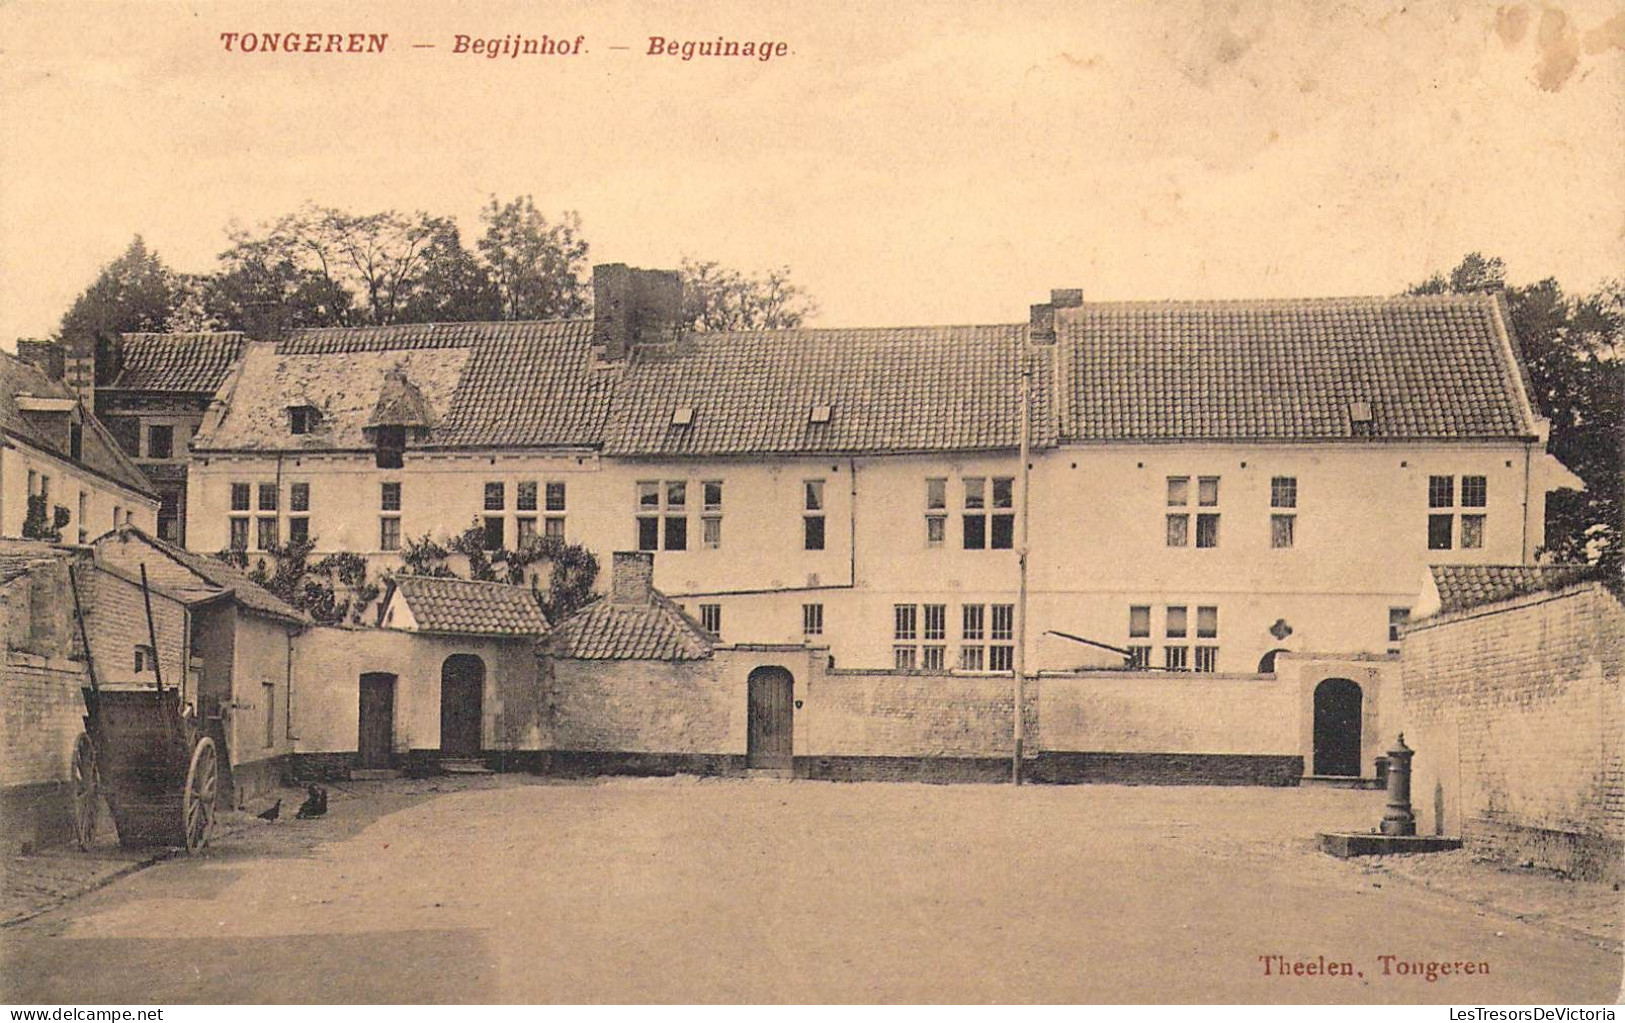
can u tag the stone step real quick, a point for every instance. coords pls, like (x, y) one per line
(462, 766)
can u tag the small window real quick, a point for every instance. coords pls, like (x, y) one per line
(973, 658)
(973, 623)
(936, 621)
(1441, 491)
(1207, 658)
(1139, 621)
(712, 494)
(1398, 618)
(1472, 532)
(389, 533)
(1284, 492)
(1207, 491)
(1283, 530)
(812, 619)
(1138, 657)
(160, 441)
(711, 527)
(676, 533)
(495, 497)
(1207, 530)
(268, 496)
(1439, 530)
(1004, 621)
(144, 658)
(1474, 492)
(299, 529)
(975, 492)
(933, 657)
(648, 533)
(648, 494)
(1179, 491)
(1179, 530)
(496, 533)
(819, 414)
(299, 497)
(239, 496)
(1176, 658)
(711, 618)
(238, 526)
(1176, 622)
(267, 534)
(814, 490)
(682, 415)
(676, 495)
(905, 621)
(975, 532)
(389, 496)
(524, 529)
(936, 530)
(1207, 623)
(553, 527)
(903, 658)
(555, 497)
(1004, 490)
(303, 419)
(524, 495)
(936, 494)
(812, 525)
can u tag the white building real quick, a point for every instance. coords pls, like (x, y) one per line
(1209, 482)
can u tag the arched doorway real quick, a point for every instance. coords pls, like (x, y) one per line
(462, 703)
(1337, 728)
(769, 741)
(376, 742)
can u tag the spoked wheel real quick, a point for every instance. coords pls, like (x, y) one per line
(202, 792)
(85, 791)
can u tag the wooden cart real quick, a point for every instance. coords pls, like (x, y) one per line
(147, 757)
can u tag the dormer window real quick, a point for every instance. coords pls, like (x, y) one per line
(304, 419)
(1360, 418)
(820, 414)
(682, 415)
(391, 447)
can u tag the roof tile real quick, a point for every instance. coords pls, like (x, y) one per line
(467, 607)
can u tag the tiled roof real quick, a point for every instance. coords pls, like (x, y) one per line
(1465, 586)
(400, 403)
(893, 389)
(609, 631)
(1430, 367)
(227, 577)
(471, 608)
(196, 362)
(98, 451)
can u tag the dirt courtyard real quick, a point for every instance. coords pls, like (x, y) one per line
(513, 889)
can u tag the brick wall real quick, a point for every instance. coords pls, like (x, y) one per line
(116, 621)
(1514, 711)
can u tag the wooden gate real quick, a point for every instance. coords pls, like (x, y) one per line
(769, 743)
(377, 739)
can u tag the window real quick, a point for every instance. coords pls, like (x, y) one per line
(299, 501)
(45, 487)
(268, 496)
(973, 623)
(936, 512)
(496, 533)
(524, 495)
(84, 512)
(238, 526)
(981, 530)
(1139, 621)
(1207, 658)
(267, 533)
(657, 502)
(76, 441)
(299, 529)
(1441, 491)
(1207, 491)
(934, 657)
(555, 497)
(1472, 532)
(390, 450)
(1176, 658)
(389, 533)
(524, 529)
(1207, 523)
(1207, 627)
(711, 509)
(1139, 656)
(389, 496)
(1283, 525)
(1439, 530)
(270, 712)
(299, 497)
(160, 441)
(33, 481)
(1207, 531)
(553, 527)
(239, 496)
(302, 419)
(812, 521)
(1398, 618)
(711, 618)
(496, 498)
(1179, 523)
(905, 631)
(1474, 491)
(936, 621)
(1179, 491)
(144, 659)
(812, 619)
(1001, 652)
(997, 655)
(1177, 624)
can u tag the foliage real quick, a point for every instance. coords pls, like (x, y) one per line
(38, 524)
(572, 568)
(716, 297)
(538, 267)
(1573, 348)
(135, 292)
(332, 591)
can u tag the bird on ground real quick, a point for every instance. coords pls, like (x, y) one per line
(273, 813)
(315, 803)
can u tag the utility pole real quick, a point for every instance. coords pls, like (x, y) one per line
(1020, 680)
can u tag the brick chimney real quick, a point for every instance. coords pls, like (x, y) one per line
(632, 306)
(45, 356)
(1041, 320)
(632, 577)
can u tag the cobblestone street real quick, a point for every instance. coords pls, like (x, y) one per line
(670, 890)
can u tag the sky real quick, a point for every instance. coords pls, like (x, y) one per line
(911, 162)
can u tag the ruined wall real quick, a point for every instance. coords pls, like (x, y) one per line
(1514, 711)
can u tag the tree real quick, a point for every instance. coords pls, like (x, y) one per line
(135, 292)
(453, 285)
(1573, 348)
(271, 274)
(716, 297)
(572, 568)
(332, 590)
(538, 267)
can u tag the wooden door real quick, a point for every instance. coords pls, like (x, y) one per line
(769, 742)
(1337, 728)
(462, 703)
(377, 740)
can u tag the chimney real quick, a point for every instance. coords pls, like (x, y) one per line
(45, 356)
(632, 577)
(79, 369)
(1041, 322)
(1066, 298)
(632, 306)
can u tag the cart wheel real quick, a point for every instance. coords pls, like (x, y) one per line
(202, 791)
(84, 791)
